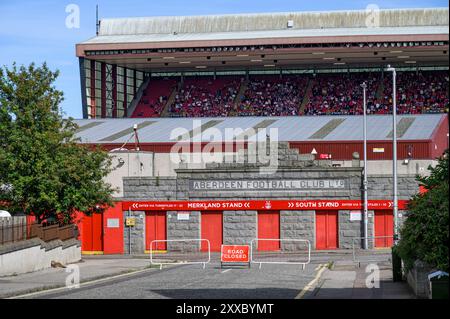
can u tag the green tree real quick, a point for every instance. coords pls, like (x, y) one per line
(424, 235)
(44, 171)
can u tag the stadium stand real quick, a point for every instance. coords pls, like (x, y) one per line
(341, 94)
(154, 98)
(205, 97)
(272, 95)
(418, 93)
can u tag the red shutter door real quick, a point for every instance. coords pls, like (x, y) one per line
(155, 229)
(384, 226)
(269, 228)
(211, 229)
(326, 229)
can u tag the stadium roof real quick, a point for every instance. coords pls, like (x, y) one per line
(273, 40)
(275, 21)
(294, 128)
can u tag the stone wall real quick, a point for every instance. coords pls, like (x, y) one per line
(239, 227)
(158, 188)
(381, 187)
(297, 225)
(183, 229)
(348, 229)
(137, 233)
(417, 279)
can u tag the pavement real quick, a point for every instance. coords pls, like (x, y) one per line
(90, 268)
(331, 275)
(345, 280)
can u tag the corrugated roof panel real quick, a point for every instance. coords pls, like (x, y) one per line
(126, 132)
(255, 130)
(198, 130)
(293, 128)
(326, 129)
(84, 127)
(402, 127)
(423, 127)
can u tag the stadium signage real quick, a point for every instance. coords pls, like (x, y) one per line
(251, 185)
(260, 205)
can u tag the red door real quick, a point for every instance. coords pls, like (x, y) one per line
(155, 229)
(211, 229)
(327, 229)
(113, 231)
(268, 228)
(384, 226)
(92, 233)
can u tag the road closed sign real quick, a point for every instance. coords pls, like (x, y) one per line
(235, 254)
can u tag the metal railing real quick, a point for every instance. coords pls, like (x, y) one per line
(180, 251)
(372, 253)
(291, 252)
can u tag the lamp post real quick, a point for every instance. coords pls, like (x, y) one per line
(364, 86)
(394, 149)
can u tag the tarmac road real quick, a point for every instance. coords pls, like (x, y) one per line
(193, 282)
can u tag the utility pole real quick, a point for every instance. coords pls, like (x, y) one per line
(366, 212)
(394, 149)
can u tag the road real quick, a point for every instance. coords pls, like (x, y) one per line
(193, 282)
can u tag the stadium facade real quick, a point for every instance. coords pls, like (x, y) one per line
(135, 70)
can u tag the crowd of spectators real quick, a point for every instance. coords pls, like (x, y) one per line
(341, 94)
(272, 96)
(206, 97)
(417, 93)
(330, 94)
(154, 98)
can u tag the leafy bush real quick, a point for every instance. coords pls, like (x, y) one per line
(44, 170)
(424, 235)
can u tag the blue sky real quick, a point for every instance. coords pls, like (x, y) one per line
(35, 31)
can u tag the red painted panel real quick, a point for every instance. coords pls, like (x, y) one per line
(113, 237)
(327, 229)
(343, 150)
(97, 232)
(155, 229)
(86, 233)
(439, 142)
(211, 229)
(269, 228)
(384, 226)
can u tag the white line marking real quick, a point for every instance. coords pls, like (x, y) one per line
(311, 283)
(224, 271)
